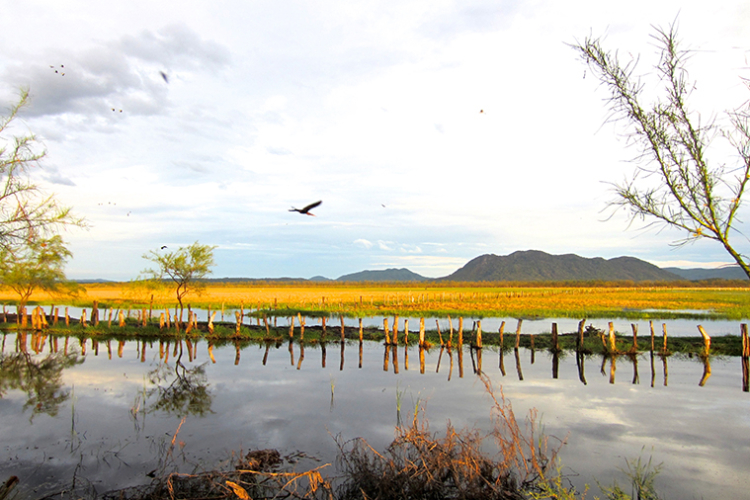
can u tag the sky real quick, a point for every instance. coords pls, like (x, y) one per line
(433, 131)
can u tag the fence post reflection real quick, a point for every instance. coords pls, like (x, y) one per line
(580, 357)
(518, 359)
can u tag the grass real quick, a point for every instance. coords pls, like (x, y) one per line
(419, 299)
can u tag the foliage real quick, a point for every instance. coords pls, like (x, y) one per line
(36, 265)
(187, 394)
(642, 476)
(675, 183)
(40, 378)
(184, 267)
(25, 212)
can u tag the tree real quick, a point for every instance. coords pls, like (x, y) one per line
(25, 212)
(37, 265)
(674, 183)
(184, 267)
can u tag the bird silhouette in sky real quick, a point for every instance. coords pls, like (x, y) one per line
(165, 246)
(164, 75)
(306, 210)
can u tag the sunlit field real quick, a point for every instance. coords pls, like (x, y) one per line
(423, 299)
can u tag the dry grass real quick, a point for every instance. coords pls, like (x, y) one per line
(421, 465)
(424, 299)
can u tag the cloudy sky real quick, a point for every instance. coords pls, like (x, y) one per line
(433, 131)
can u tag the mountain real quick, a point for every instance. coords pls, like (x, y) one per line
(726, 273)
(534, 265)
(386, 275)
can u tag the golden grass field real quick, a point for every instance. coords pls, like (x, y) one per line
(422, 299)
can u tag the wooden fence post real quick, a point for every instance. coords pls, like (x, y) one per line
(387, 331)
(612, 340)
(211, 323)
(518, 333)
(421, 332)
(651, 327)
(706, 341)
(555, 344)
(479, 335)
(579, 340)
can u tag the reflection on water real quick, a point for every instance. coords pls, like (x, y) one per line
(105, 410)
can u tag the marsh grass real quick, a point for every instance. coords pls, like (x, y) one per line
(590, 300)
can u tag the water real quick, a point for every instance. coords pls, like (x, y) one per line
(108, 418)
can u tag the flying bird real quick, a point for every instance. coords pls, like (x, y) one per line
(165, 246)
(164, 75)
(306, 210)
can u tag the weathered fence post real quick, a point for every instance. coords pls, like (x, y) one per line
(343, 332)
(651, 326)
(387, 331)
(634, 327)
(406, 336)
(211, 323)
(301, 329)
(501, 331)
(460, 331)
(555, 344)
(518, 333)
(360, 330)
(612, 340)
(664, 330)
(479, 337)
(421, 332)
(95, 313)
(706, 341)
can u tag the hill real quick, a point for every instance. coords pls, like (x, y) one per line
(697, 274)
(385, 275)
(534, 265)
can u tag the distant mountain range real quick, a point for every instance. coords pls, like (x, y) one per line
(532, 266)
(386, 275)
(696, 274)
(535, 265)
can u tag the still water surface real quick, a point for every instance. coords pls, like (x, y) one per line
(107, 418)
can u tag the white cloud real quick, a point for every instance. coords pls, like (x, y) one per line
(363, 243)
(373, 108)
